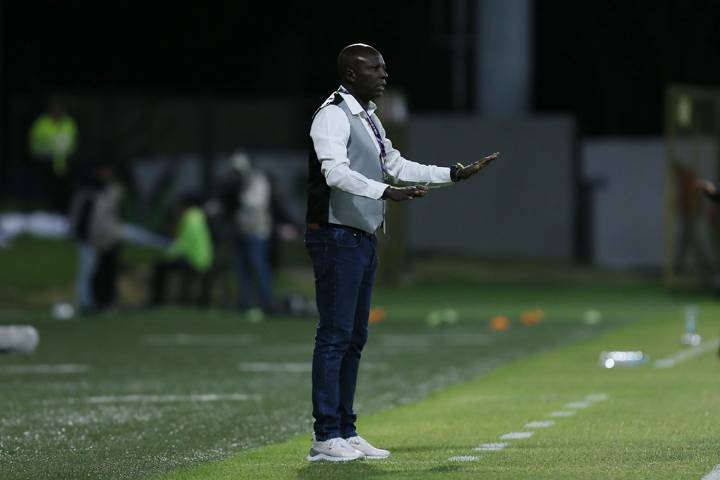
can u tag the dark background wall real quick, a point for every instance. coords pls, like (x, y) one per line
(202, 78)
(607, 62)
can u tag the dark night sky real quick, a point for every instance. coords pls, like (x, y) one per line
(608, 62)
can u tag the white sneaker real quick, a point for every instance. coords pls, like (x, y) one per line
(333, 450)
(362, 445)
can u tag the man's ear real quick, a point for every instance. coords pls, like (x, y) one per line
(350, 75)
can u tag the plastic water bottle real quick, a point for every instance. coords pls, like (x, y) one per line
(616, 359)
(691, 337)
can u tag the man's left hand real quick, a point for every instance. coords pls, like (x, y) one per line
(465, 172)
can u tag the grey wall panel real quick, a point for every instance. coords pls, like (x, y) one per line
(522, 205)
(629, 200)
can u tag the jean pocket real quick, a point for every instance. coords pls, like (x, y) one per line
(347, 238)
(318, 251)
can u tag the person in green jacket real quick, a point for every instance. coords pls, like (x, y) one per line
(52, 138)
(191, 252)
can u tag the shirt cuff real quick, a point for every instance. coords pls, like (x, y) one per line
(376, 189)
(453, 173)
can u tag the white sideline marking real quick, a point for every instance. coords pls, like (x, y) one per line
(597, 397)
(202, 397)
(562, 414)
(463, 458)
(296, 367)
(540, 424)
(686, 354)
(714, 474)
(577, 405)
(60, 369)
(516, 435)
(491, 447)
(198, 340)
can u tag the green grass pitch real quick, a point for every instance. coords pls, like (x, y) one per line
(185, 394)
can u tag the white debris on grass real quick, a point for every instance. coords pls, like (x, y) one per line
(59, 369)
(18, 338)
(193, 398)
(577, 405)
(463, 458)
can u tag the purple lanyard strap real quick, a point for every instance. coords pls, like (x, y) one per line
(381, 144)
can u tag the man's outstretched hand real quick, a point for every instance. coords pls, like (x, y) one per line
(464, 172)
(399, 194)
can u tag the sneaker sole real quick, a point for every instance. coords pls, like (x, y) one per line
(328, 458)
(377, 457)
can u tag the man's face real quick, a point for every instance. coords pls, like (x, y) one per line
(370, 76)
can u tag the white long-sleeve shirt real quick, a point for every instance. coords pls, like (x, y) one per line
(330, 132)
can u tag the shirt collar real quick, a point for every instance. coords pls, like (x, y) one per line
(353, 104)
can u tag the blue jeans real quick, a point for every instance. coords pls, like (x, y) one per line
(252, 262)
(344, 262)
(87, 261)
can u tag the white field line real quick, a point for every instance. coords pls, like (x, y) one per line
(297, 367)
(714, 474)
(491, 447)
(587, 402)
(562, 413)
(688, 353)
(540, 424)
(463, 458)
(193, 398)
(516, 435)
(597, 397)
(59, 369)
(198, 340)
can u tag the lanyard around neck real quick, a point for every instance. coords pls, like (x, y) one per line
(376, 134)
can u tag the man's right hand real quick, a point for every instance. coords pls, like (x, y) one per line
(404, 193)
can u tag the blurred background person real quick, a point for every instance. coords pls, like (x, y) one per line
(190, 254)
(96, 225)
(709, 188)
(689, 249)
(284, 226)
(247, 201)
(52, 140)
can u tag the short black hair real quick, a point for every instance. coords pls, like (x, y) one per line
(348, 56)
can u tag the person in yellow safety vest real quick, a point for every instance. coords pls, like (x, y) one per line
(53, 137)
(191, 252)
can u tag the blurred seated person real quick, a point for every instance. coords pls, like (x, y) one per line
(51, 142)
(190, 254)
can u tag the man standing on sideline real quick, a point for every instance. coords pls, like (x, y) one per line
(353, 169)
